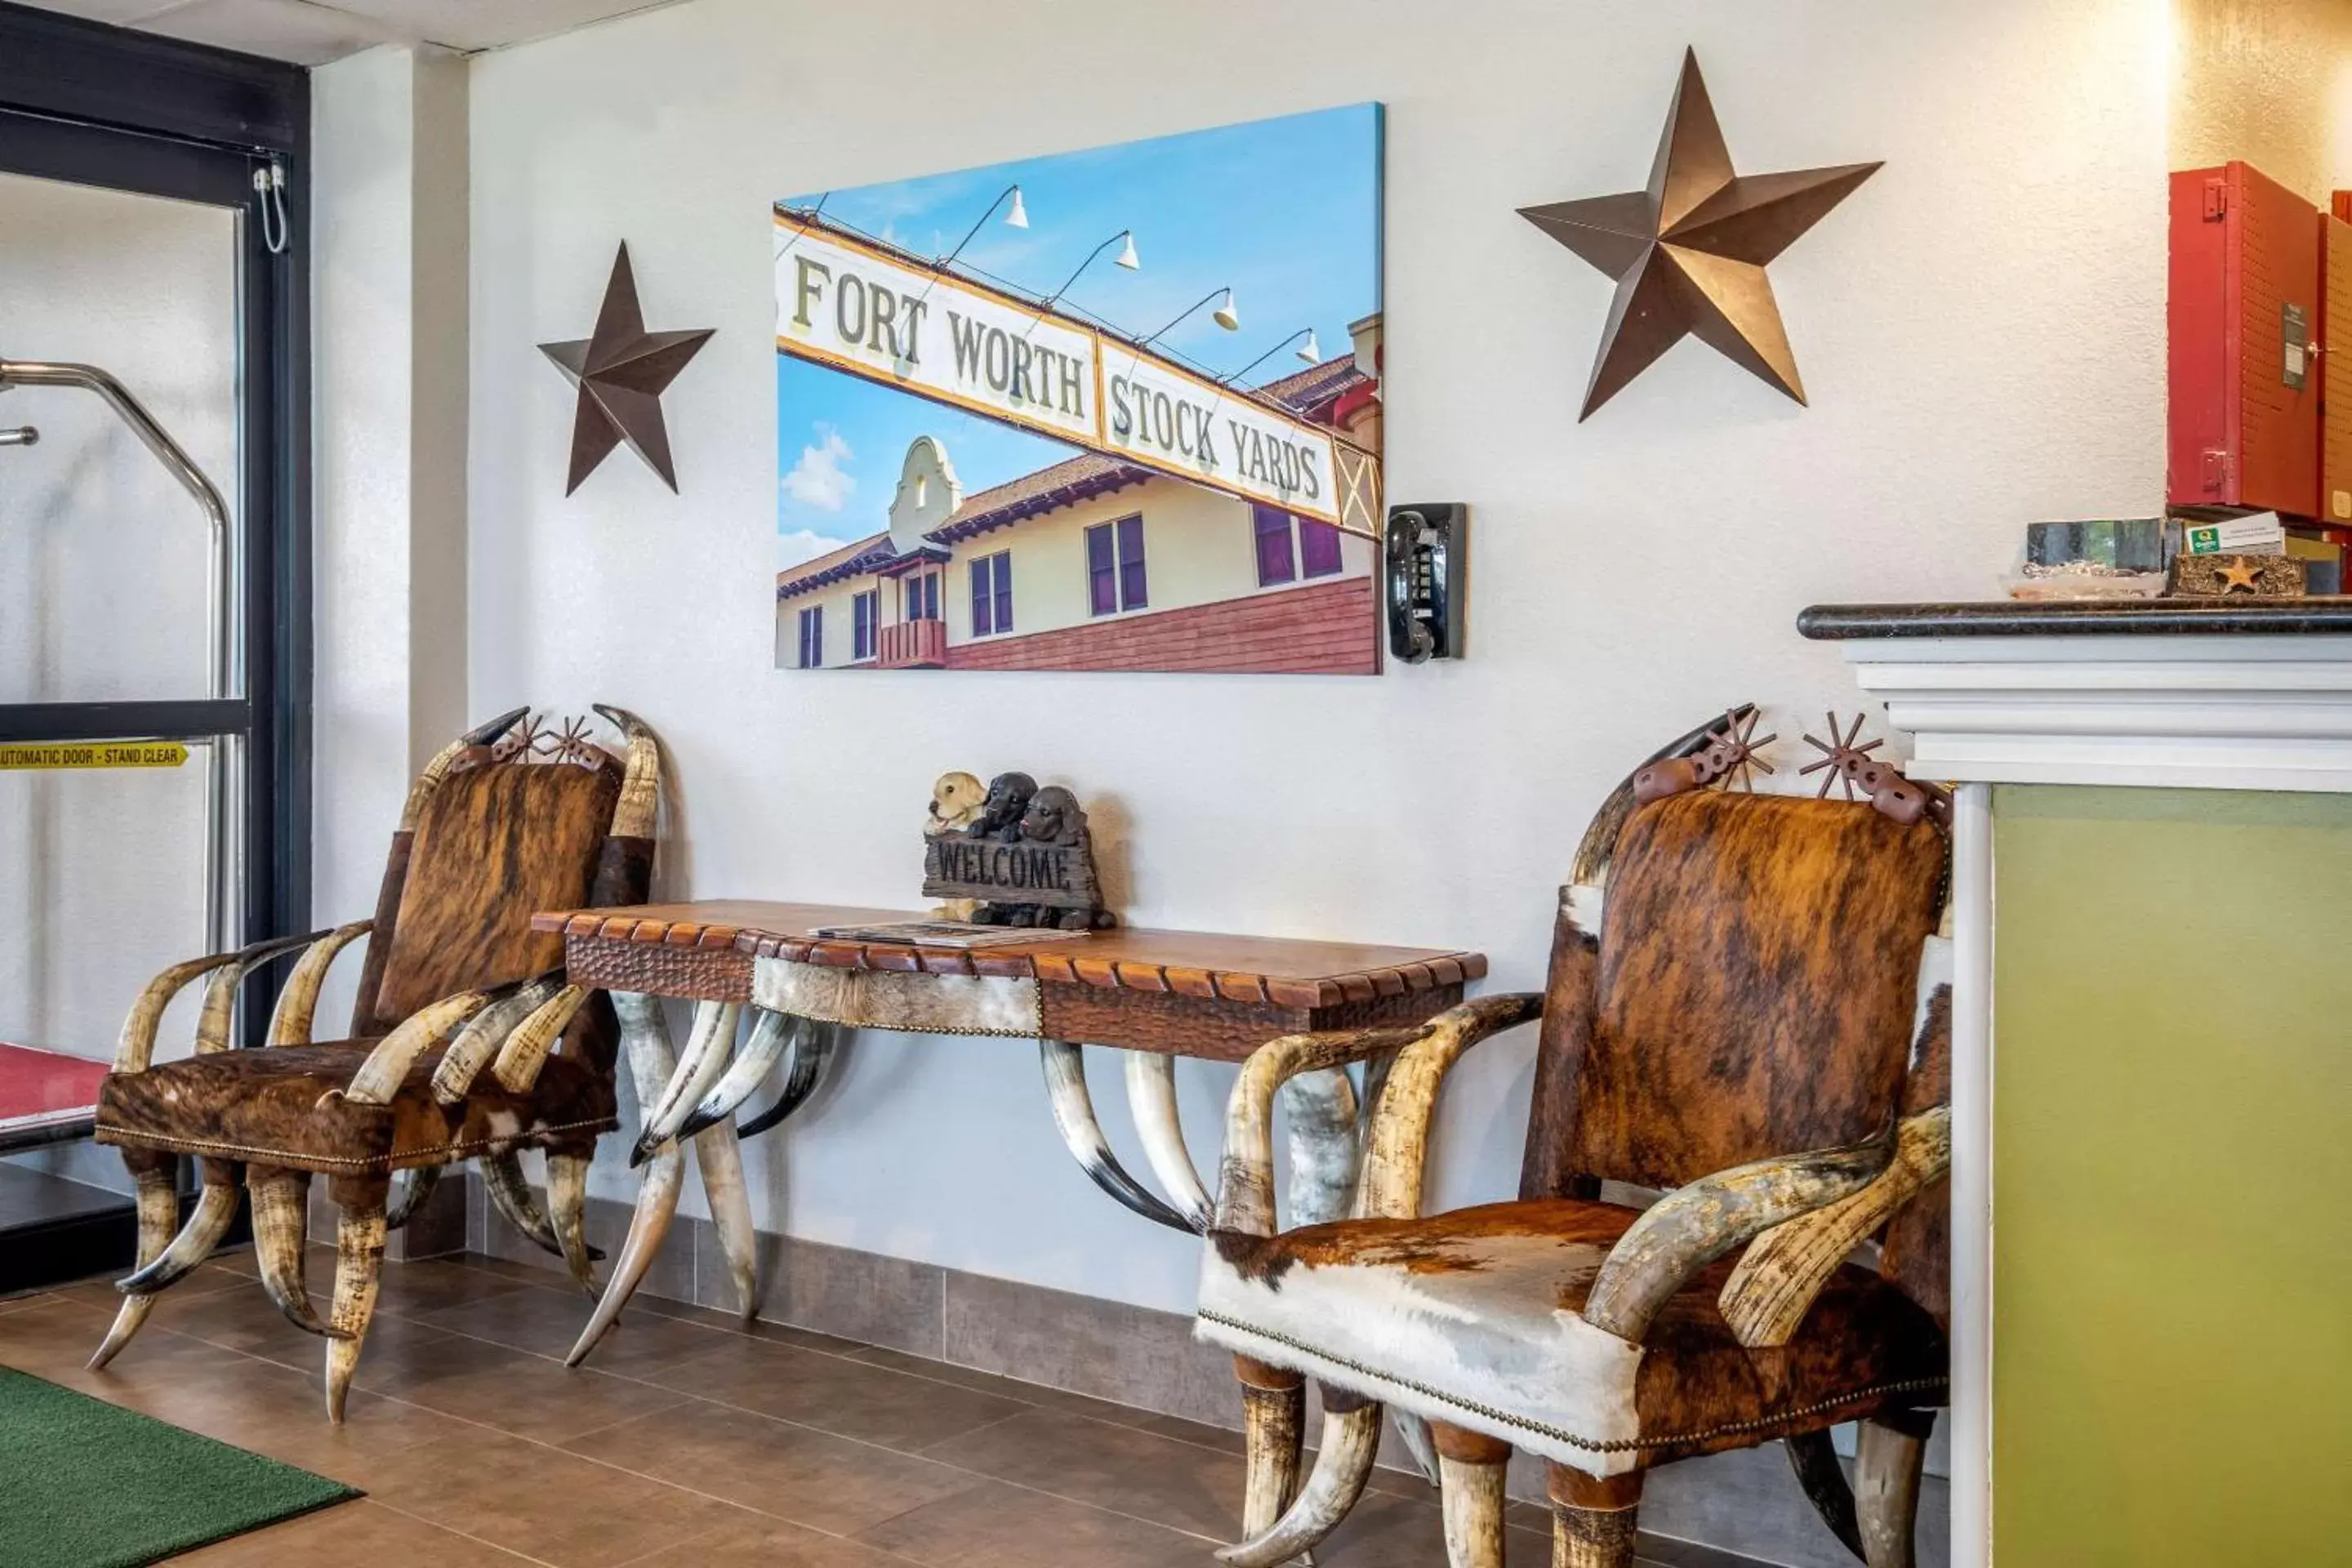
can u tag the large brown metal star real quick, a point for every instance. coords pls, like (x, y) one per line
(1688, 253)
(620, 372)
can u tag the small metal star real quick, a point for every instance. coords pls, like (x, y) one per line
(2240, 573)
(1842, 758)
(1688, 253)
(620, 372)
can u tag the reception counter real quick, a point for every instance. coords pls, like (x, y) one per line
(2152, 1084)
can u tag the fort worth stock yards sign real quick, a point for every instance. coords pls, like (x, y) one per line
(865, 307)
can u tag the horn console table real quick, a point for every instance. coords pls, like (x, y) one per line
(2152, 854)
(1152, 995)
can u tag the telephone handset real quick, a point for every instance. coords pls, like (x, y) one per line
(1424, 559)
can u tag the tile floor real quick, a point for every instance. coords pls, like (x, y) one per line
(687, 1439)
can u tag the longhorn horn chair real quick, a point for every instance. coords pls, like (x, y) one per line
(450, 1055)
(1748, 1009)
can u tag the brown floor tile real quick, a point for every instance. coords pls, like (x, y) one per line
(518, 1393)
(1388, 1532)
(357, 1531)
(548, 1322)
(1014, 1389)
(834, 1394)
(435, 1285)
(1109, 1467)
(245, 1319)
(758, 1328)
(535, 1500)
(282, 1413)
(754, 1540)
(993, 1525)
(206, 1279)
(811, 1477)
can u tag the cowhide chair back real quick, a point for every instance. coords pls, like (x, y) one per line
(1746, 1011)
(465, 1042)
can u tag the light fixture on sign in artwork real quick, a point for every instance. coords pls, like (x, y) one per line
(1309, 352)
(1225, 315)
(1127, 259)
(1689, 252)
(1017, 218)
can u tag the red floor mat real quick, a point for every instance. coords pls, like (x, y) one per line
(45, 1086)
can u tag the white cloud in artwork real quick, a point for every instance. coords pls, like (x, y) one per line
(800, 544)
(822, 478)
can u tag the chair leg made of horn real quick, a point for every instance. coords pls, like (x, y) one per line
(359, 1265)
(1593, 1518)
(1470, 1468)
(1893, 1446)
(154, 1176)
(1343, 1463)
(1273, 1424)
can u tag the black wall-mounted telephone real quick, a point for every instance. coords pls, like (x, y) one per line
(1427, 551)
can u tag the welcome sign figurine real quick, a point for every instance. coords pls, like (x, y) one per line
(1011, 854)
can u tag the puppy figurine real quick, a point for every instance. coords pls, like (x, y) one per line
(1054, 817)
(999, 815)
(957, 801)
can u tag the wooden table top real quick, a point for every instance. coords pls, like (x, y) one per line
(1283, 971)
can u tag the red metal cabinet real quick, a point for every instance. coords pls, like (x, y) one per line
(2336, 363)
(2243, 314)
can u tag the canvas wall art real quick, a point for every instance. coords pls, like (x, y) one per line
(1110, 410)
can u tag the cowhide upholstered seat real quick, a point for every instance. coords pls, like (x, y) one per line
(1476, 1317)
(464, 1042)
(1746, 1013)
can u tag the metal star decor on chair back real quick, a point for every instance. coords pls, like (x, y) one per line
(1688, 253)
(620, 372)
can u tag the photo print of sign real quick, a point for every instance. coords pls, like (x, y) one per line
(1025, 423)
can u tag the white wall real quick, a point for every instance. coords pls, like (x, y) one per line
(389, 293)
(1979, 327)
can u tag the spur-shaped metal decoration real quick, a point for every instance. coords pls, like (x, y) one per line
(1842, 762)
(1731, 757)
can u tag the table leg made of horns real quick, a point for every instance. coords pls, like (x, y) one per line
(1151, 996)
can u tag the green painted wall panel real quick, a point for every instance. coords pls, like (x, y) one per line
(2172, 1130)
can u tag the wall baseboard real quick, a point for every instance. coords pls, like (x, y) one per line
(1742, 1508)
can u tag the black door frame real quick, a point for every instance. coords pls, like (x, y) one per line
(105, 106)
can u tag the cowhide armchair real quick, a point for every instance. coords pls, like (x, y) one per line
(452, 1053)
(1743, 1012)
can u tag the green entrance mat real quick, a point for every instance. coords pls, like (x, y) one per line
(84, 1484)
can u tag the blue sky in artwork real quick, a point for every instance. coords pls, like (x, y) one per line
(1285, 212)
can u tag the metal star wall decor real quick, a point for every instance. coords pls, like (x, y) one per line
(620, 372)
(1688, 253)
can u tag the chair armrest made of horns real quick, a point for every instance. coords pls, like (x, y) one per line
(1770, 1292)
(134, 1050)
(1400, 1129)
(1693, 1225)
(508, 1028)
(289, 1021)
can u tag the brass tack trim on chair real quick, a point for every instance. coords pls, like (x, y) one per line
(376, 1164)
(1608, 1446)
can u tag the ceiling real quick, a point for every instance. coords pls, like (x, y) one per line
(312, 32)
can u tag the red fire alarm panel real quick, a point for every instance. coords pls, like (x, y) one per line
(2335, 361)
(2244, 314)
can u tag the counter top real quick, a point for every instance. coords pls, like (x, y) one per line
(2081, 617)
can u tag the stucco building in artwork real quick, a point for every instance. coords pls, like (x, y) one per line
(1098, 563)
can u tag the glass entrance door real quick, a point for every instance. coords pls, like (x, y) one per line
(153, 626)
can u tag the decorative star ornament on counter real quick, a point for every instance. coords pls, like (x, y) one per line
(620, 372)
(1689, 252)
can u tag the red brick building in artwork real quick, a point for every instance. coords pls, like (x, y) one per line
(1096, 564)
